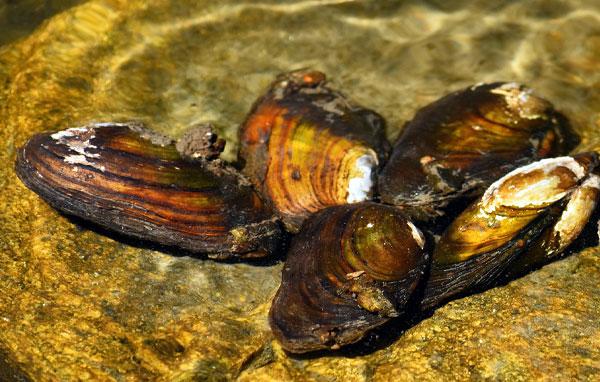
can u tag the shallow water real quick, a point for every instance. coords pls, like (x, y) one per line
(172, 64)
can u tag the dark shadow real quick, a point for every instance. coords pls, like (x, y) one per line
(83, 224)
(9, 369)
(19, 18)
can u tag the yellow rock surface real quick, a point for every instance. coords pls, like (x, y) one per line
(80, 305)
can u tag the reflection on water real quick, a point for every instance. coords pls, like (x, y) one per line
(172, 64)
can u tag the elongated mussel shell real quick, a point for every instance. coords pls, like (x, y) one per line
(307, 147)
(350, 269)
(130, 180)
(523, 219)
(463, 142)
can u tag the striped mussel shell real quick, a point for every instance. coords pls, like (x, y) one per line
(524, 220)
(128, 179)
(306, 147)
(350, 269)
(458, 145)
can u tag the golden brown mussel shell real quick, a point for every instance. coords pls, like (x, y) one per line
(306, 147)
(523, 219)
(130, 180)
(350, 269)
(461, 143)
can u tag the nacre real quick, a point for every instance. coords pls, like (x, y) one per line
(523, 220)
(351, 268)
(131, 180)
(458, 145)
(307, 147)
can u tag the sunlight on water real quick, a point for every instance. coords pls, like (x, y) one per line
(172, 64)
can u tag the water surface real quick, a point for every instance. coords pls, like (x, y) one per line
(76, 304)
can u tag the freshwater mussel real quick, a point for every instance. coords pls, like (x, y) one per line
(350, 269)
(460, 144)
(132, 180)
(307, 147)
(523, 220)
(312, 159)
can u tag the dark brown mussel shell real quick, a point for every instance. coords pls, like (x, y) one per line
(128, 179)
(350, 269)
(523, 220)
(306, 147)
(460, 144)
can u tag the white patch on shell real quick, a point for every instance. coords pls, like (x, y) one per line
(426, 159)
(535, 142)
(337, 105)
(354, 275)
(518, 97)
(80, 147)
(107, 124)
(359, 188)
(432, 168)
(78, 159)
(506, 89)
(477, 85)
(416, 234)
(577, 212)
(78, 139)
(69, 133)
(490, 200)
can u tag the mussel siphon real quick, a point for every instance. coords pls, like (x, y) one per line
(131, 180)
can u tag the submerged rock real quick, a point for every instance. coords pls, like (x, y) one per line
(542, 326)
(79, 305)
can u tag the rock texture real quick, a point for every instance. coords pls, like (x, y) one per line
(78, 304)
(527, 330)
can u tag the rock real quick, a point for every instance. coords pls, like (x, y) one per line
(77, 303)
(542, 326)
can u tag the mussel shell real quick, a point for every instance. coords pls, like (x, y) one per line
(306, 147)
(498, 231)
(350, 269)
(130, 180)
(575, 215)
(460, 144)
